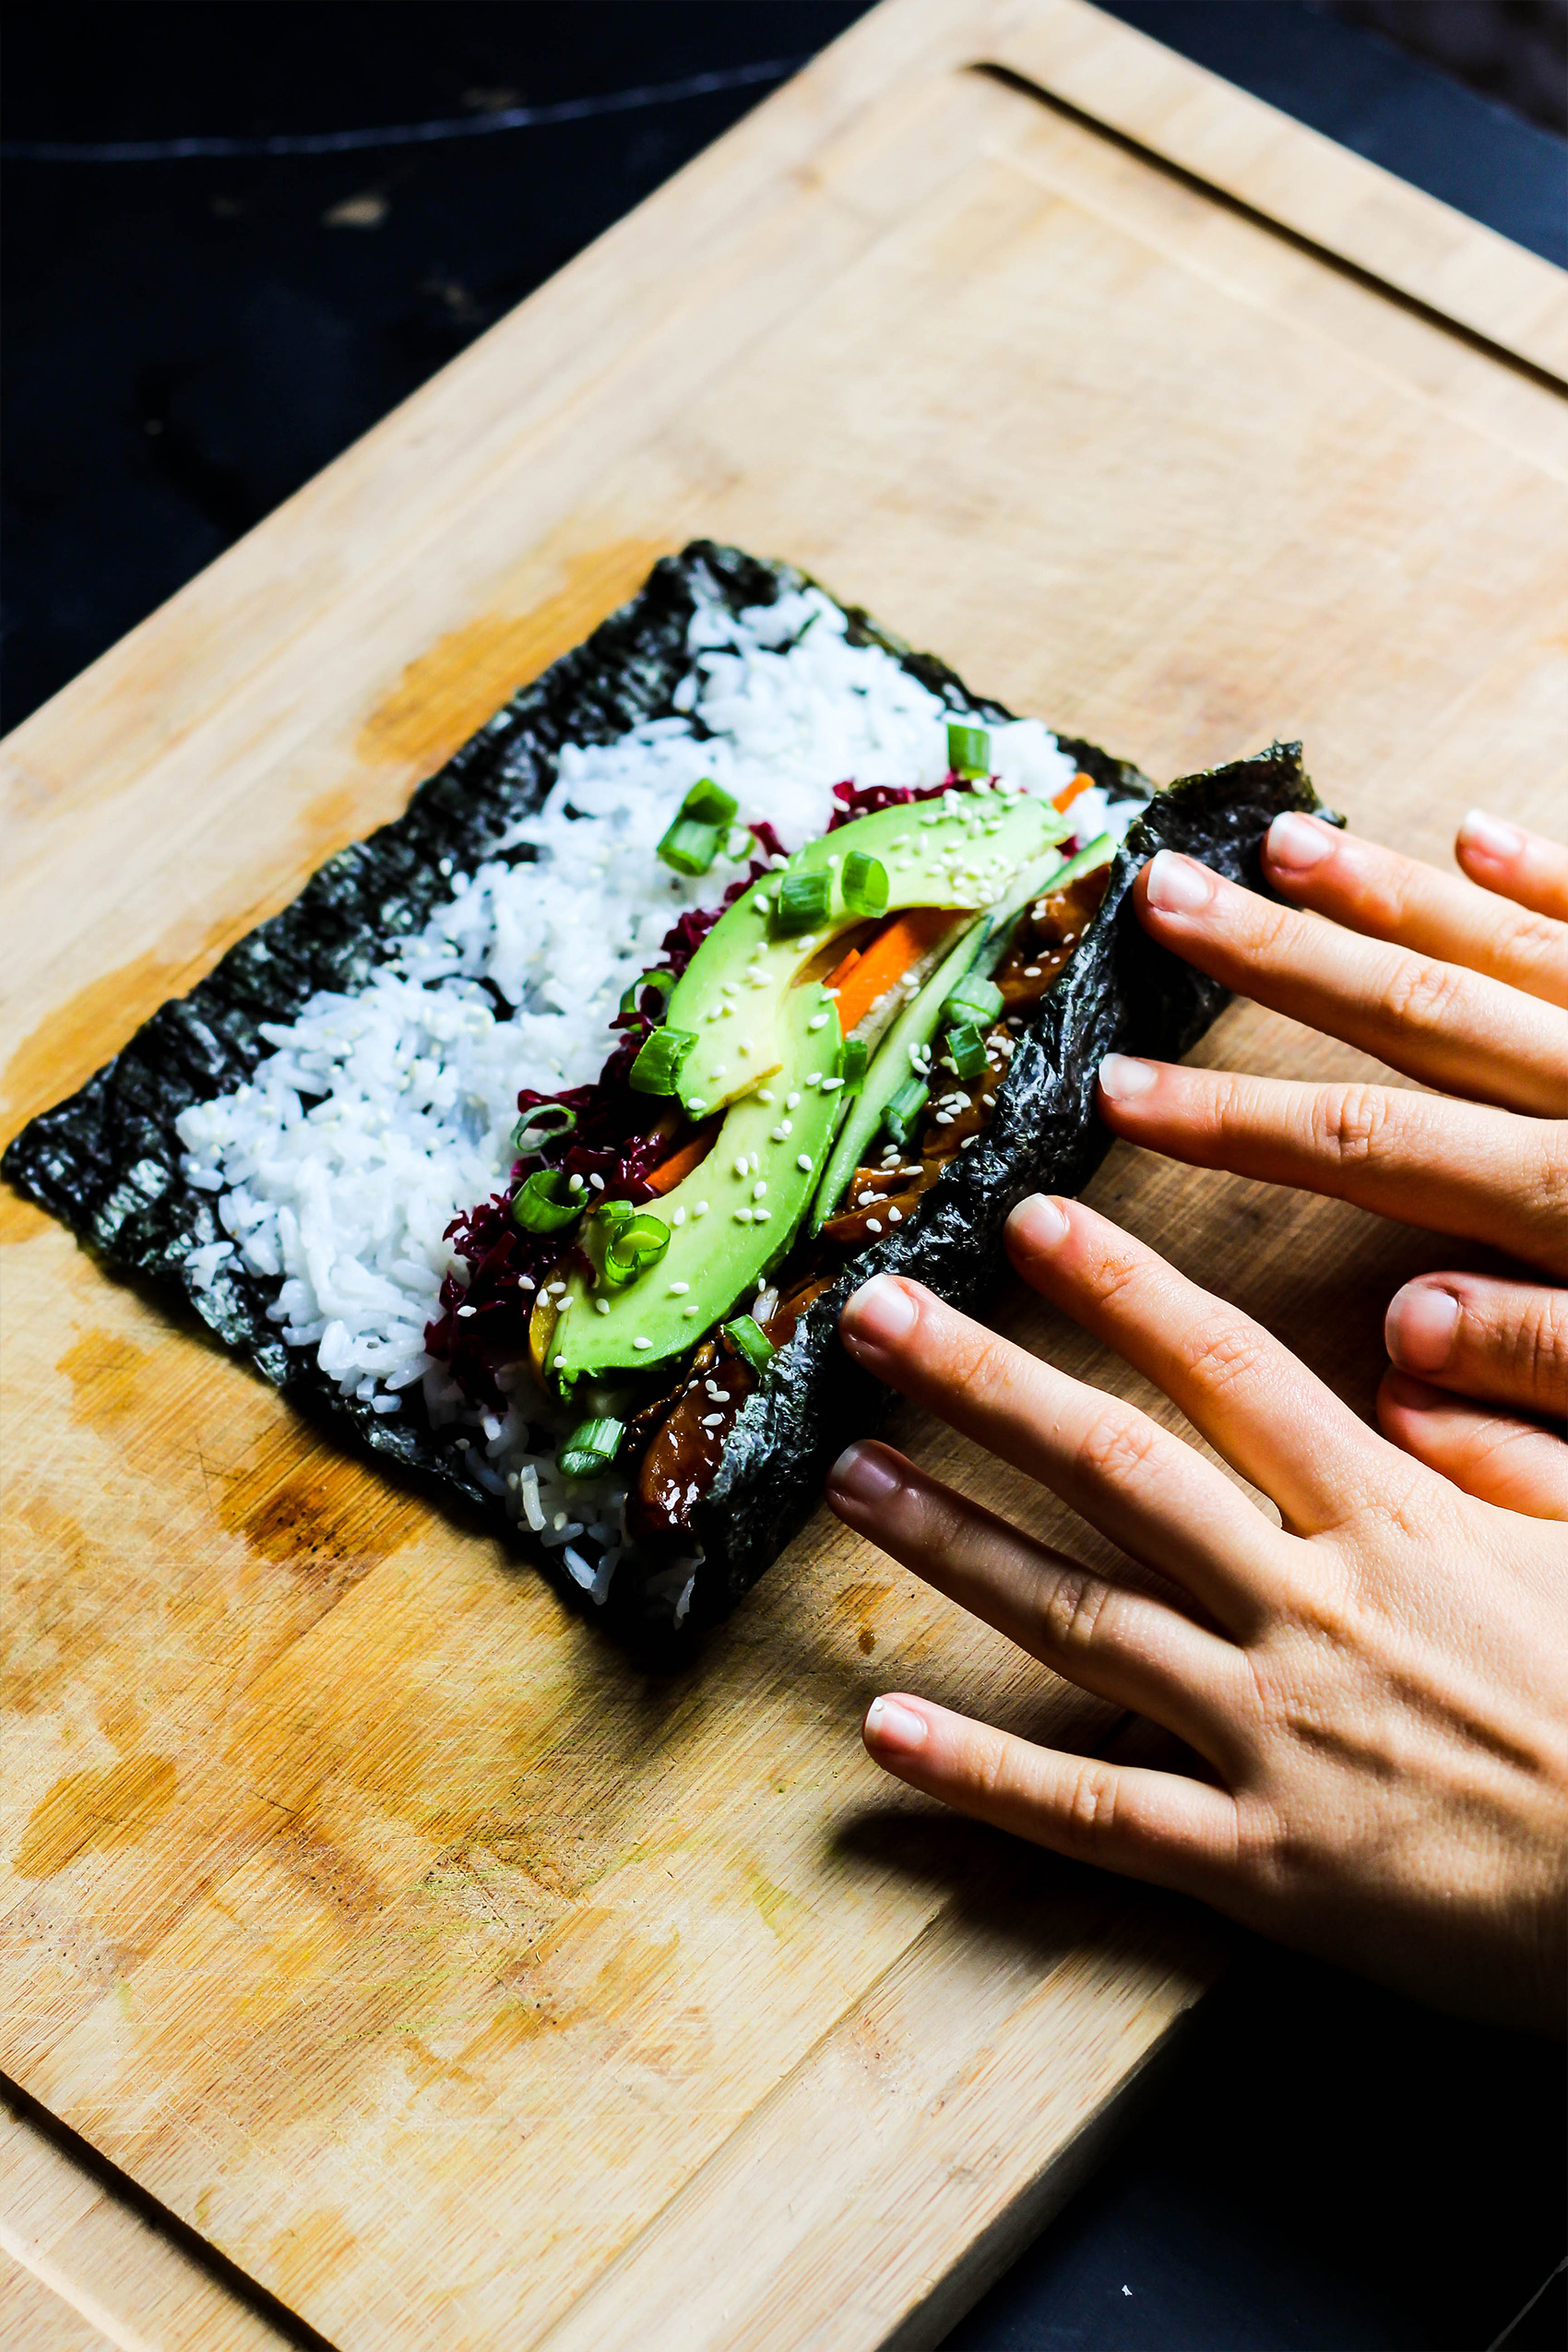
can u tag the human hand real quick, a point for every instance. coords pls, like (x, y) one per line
(1460, 984)
(1378, 1687)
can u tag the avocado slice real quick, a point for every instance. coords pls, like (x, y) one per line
(726, 1227)
(980, 947)
(964, 851)
(769, 1049)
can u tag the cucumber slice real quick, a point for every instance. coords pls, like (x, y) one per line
(981, 947)
(1097, 852)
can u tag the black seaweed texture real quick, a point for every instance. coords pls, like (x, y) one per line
(1120, 995)
(107, 1160)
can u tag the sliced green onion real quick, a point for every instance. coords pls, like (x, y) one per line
(865, 883)
(591, 1447)
(974, 1000)
(689, 846)
(749, 1339)
(739, 841)
(804, 900)
(548, 1202)
(902, 1114)
(662, 981)
(709, 804)
(637, 1242)
(853, 1065)
(968, 749)
(658, 1062)
(546, 1122)
(965, 1050)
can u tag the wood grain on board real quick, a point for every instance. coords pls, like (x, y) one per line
(461, 1985)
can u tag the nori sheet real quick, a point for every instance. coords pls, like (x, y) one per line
(107, 1160)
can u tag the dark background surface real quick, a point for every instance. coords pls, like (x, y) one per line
(1318, 2165)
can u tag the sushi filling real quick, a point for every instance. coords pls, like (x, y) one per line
(592, 1150)
(419, 1222)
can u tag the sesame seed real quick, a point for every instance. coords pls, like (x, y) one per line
(895, 1217)
(759, 1190)
(713, 1421)
(689, 1312)
(791, 1101)
(642, 1341)
(697, 1102)
(813, 1078)
(803, 1162)
(765, 1094)
(677, 1217)
(679, 1289)
(598, 1183)
(829, 1084)
(761, 1216)
(743, 1216)
(743, 1166)
(602, 1306)
(1031, 971)
(574, 1183)
(819, 1020)
(775, 1134)
(966, 1141)
(874, 1225)
(700, 1209)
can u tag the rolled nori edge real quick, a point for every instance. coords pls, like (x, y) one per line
(1121, 993)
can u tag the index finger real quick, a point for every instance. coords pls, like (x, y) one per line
(1254, 1401)
(1384, 896)
(1150, 1493)
(1438, 1022)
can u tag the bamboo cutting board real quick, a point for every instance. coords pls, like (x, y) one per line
(460, 1985)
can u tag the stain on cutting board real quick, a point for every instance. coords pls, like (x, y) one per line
(466, 676)
(93, 1808)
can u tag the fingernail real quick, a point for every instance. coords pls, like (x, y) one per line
(1039, 1221)
(880, 1315)
(1123, 1078)
(863, 1477)
(1490, 835)
(1298, 842)
(1420, 1326)
(888, 1725)
(1178, 886)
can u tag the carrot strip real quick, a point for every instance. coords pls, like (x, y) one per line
(841, 971)
(670, 1172)
(1063, 799)
(902, 943)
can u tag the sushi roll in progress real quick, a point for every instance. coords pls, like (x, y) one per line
(742, 956)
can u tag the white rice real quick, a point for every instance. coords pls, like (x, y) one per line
(382, 1112)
